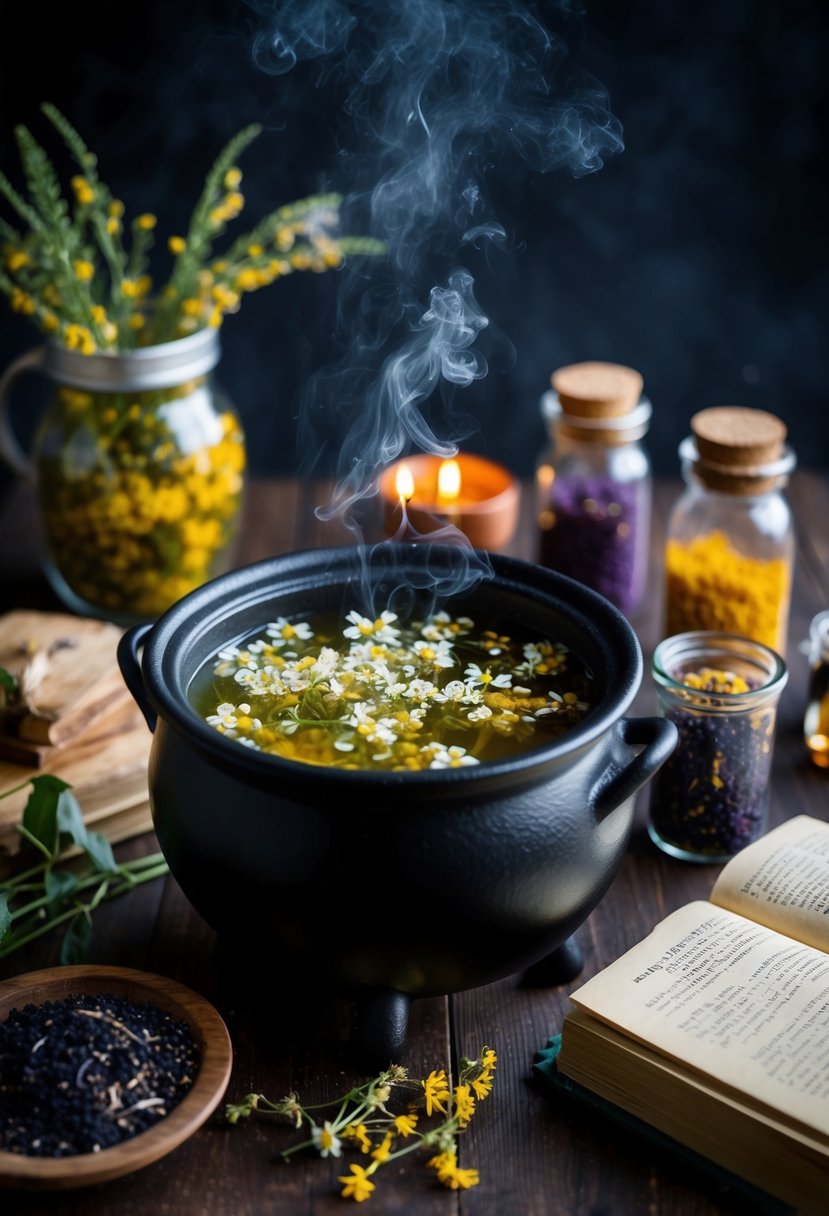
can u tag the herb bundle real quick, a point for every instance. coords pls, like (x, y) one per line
(81, 272)
(75, 872)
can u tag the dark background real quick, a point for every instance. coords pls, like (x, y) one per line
(697, 254)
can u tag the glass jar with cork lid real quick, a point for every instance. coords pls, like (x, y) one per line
(593, 480)
(730, 541)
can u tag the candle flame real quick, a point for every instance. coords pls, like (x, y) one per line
(404, 483)
(449, 481)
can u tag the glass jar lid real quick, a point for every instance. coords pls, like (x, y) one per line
(597, 390)
(738, 450)
(596, 402)
(144, 368)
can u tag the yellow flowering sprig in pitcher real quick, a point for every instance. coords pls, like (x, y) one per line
(75, 273)
(140, 459)
(363, 1122)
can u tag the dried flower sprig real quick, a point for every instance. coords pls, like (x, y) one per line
(363, 1122)
(73, 271)
(74, 873)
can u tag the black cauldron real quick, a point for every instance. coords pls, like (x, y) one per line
(473, 873)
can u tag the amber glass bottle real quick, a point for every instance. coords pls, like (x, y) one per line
(816, 718)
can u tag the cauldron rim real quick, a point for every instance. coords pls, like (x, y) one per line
(257, 584)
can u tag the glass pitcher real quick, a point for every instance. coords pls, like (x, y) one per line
(138, 464)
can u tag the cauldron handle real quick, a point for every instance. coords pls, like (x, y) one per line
(657, 737)
(382, 1028)
(128, 646)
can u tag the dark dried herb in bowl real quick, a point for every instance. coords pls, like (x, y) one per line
(88, 1071)
(123, 993)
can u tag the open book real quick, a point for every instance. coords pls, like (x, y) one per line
(715, 1028)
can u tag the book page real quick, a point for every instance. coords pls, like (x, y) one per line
(731, 999)
(782, 880)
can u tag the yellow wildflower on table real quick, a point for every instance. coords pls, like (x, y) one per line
(363, 1122)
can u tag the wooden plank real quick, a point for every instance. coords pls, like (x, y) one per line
(107, 769)
(537, 1157)
(66, 672)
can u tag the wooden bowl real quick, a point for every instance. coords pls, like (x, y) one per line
(212, 1040)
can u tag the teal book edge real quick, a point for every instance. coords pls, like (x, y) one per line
(547, 1079)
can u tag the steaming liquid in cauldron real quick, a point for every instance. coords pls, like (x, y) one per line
(441, 692)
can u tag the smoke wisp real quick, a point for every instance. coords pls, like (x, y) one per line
(435, 96)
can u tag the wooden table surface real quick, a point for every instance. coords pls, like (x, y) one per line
(537, 1156)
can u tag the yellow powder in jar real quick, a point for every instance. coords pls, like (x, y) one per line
(711, 585)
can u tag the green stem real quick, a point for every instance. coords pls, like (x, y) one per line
(8, 947)
(37, 843)
(19, 880)
(106, 890)
(84, 884)
(15, 789)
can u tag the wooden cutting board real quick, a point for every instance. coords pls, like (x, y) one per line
(68, 677)
(107, 770)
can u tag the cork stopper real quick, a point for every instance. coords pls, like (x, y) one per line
(738, 438)
(740, 451)
(597, 390)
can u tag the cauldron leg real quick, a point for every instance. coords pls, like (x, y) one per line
(563, 965)
(382, 1028)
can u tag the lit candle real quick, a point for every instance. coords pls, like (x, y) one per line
(404, 483)
(478, 496)
(449, 484)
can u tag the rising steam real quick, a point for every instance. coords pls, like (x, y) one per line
(436, 94)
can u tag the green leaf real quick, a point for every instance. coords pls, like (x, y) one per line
(58, 886)
(7, 680)
(99, 852)
(5, 916)
(40, 816)
(70, 818)
(44, 186)
(86, 160)
(70, 824)
(22, 207)
(76, 940)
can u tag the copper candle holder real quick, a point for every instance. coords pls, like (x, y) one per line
(479, 497)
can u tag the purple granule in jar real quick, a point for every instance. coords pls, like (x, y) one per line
(710, 797)
(595, 537)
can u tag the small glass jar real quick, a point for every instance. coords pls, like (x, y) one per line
(710, 798)
(730, 542)
(593, 481)
(139, 467)
(816, 718)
